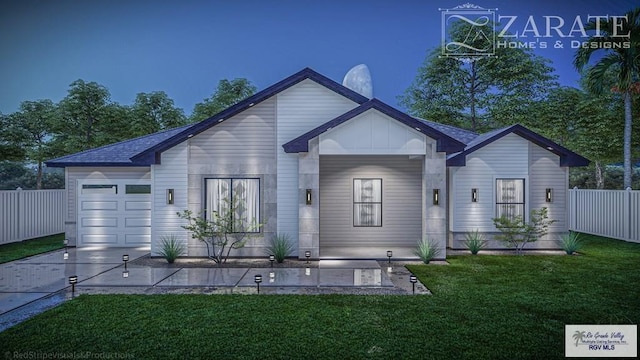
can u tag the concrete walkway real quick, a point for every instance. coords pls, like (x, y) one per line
(34, 284)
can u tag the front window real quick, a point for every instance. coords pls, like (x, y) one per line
(367, 202)
(242, 194)
(510, 198)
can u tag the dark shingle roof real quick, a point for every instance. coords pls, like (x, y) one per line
(118, 154)
(462, 135)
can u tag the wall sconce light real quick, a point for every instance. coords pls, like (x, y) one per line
(258, 280)
(170, 196)
(436, 196)
(73, 280)
(413, 279)
(547, 196)
(474, 195)
(308, 197)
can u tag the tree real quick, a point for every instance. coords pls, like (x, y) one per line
(32, 130)
(226, 94)
(481, 94)
(610, 38)
(153, 112)
(10, 149)
(82, 111)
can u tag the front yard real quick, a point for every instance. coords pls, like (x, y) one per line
(482, 307)
(22, 249)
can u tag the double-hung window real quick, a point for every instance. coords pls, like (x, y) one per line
(510, 198)
(243, 194)
(367, 202)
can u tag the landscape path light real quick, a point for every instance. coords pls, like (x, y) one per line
(413, 279)
(258, 280)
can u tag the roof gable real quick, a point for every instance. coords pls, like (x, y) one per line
(150, 155)
(445, 143)
(567, 157)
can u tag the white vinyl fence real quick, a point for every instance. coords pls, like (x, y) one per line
(610, 213)
(26, 214)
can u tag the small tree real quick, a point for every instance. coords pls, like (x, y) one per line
(225, 230)
(517, 233)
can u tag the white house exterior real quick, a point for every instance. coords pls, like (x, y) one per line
(343, 175)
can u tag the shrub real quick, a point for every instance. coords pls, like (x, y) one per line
(475, 242)
(280, 246)
(171, 248)
(570, 243)
(517, 233)
(427, 250)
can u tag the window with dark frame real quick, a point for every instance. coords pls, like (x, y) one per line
(510, 199)
(245, 192)
(367, 202)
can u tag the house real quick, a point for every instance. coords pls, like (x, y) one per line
(344, 175)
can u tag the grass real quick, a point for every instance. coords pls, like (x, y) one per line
(483, 307)
(23, 249)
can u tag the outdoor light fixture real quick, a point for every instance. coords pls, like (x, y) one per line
(258, 280)
(170, 197)
(436, 196)
(389, 255)
(308, 197)
(474, 195)
(125, 258)
(413, 279)
(272, 258)
(73, 280)
(307, 254)
(547, 197)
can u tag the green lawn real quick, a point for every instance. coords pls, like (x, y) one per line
(490, 307)
(22, 249)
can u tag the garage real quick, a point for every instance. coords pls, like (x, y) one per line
(114, 213)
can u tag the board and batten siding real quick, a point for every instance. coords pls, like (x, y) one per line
(171, 173)
(507, 157)
(73, 174)
(300, 108)
(241, 146)
(401, 200)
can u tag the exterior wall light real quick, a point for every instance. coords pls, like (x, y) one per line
(474, 195)
(308, 197)
(258, 280)
(413, 279)
(170, 196)
(436, 196)
(548, 195)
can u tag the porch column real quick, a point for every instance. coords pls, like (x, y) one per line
(435, 216)
(309, 214)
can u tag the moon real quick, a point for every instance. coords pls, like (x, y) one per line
(358, 79)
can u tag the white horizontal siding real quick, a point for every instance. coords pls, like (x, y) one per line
(401, 200)
(507, 157)
(171, 173)
(300, 108)
(245, 136)
(545, 172)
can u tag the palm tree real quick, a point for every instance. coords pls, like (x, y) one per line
(578, 336)
(622, 55)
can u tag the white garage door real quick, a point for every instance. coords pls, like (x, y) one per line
(114, 213)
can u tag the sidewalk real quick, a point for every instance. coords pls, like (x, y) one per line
(37, 283)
